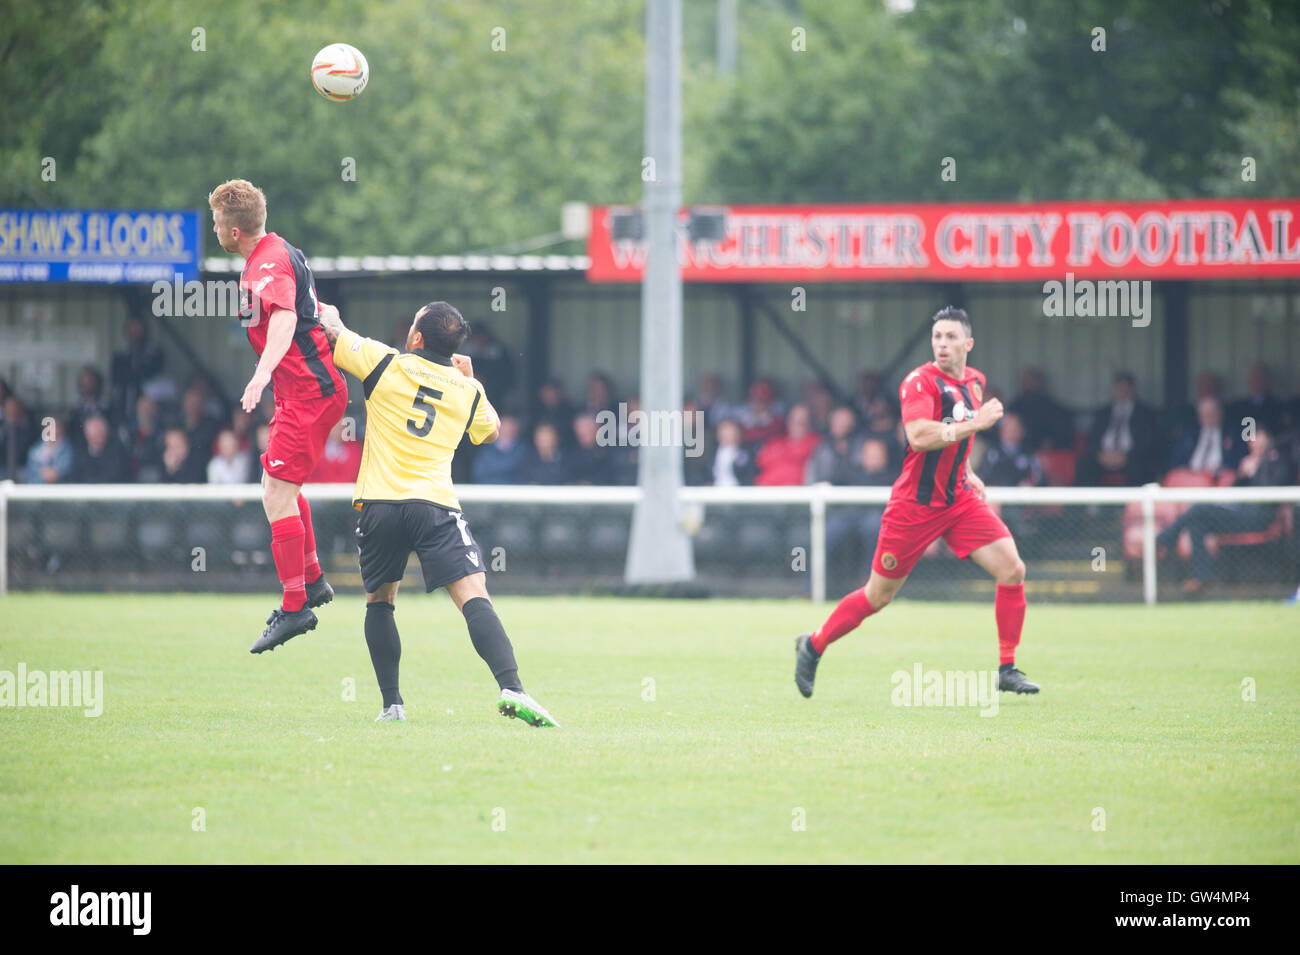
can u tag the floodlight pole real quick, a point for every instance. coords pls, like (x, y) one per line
(659, 550)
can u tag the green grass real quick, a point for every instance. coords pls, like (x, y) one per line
(1141, 715)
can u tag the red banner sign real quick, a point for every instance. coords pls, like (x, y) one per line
(987, 242)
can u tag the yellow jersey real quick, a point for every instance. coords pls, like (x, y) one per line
(418, 405)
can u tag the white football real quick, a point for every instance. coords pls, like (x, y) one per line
(340, 72)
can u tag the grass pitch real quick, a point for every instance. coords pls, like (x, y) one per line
(683, 740)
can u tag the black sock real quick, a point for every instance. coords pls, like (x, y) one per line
(491, 642)
(385, 649)
(1004, 667)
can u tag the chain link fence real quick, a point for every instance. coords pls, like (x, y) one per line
(1078, 544)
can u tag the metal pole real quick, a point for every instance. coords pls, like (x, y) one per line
(726, 36)
(1149, 544)
(817, 562)
(659, 551)
(4, 537)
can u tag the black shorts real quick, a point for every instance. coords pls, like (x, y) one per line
(387, 532)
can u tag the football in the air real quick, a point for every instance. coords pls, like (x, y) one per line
(340, 72)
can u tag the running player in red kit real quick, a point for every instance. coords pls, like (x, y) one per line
(278, 302)
(937, 495)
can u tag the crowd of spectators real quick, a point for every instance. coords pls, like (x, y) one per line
(138, 426)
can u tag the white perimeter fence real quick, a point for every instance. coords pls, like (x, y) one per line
(816, 498)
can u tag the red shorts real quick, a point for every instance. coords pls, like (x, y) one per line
(299, 428)
(908, 528)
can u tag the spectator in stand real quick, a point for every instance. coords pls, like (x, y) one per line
(261, 438)
(1008, 462)
(1258, 403)
(100, 458)
(1185, 420)
(762, 418)
(600, 394)
(1048, 424)
(179, 465)
(554, 409)
(241, 423)
(228, 466)
(1263, 466)
(699, 442)
(547, 462)
(709, 397)
(886, 425)
(862, 524)
(50, 462)
(625, 452)
(341, 459)
(592, 463)
(733, 464)
(493, 366)
(502, 461)
(870, 387)
(838, 459)
(1124, 443)
(1211, 447)
(90, 402)
(17, 433)
(199, 426)
(821, 403)
(783, 460)
(133, 367)
(144, 442)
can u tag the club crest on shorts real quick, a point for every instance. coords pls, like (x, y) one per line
(888, 561)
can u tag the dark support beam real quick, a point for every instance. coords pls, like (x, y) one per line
(747, 371)
(1174, 344)
(800, 349)
(537, 354)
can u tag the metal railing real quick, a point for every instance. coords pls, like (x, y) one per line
(817, 498)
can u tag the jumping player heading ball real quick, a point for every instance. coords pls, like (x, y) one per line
(937, 495)
(278, 299)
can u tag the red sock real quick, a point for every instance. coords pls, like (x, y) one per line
(310, 565)
(286, 547)
(846, 616)
(1009, 609)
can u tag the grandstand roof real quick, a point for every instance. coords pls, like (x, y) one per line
(380, 264)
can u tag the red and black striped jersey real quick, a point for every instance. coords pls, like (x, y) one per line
(276, 276)
(937, 478)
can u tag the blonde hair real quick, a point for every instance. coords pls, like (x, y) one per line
(241, 203)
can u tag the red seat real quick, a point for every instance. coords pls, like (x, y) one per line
(1226, 478)
(1186, 477)
(1058, 466)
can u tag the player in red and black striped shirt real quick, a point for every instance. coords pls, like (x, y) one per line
(937, 495)
(280, 309)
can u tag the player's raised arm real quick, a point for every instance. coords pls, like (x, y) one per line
(279, 336)
(924, 434)
(331, 322)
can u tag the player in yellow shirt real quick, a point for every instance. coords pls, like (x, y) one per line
(419, 403)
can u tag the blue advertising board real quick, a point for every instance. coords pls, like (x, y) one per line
(99, 245)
